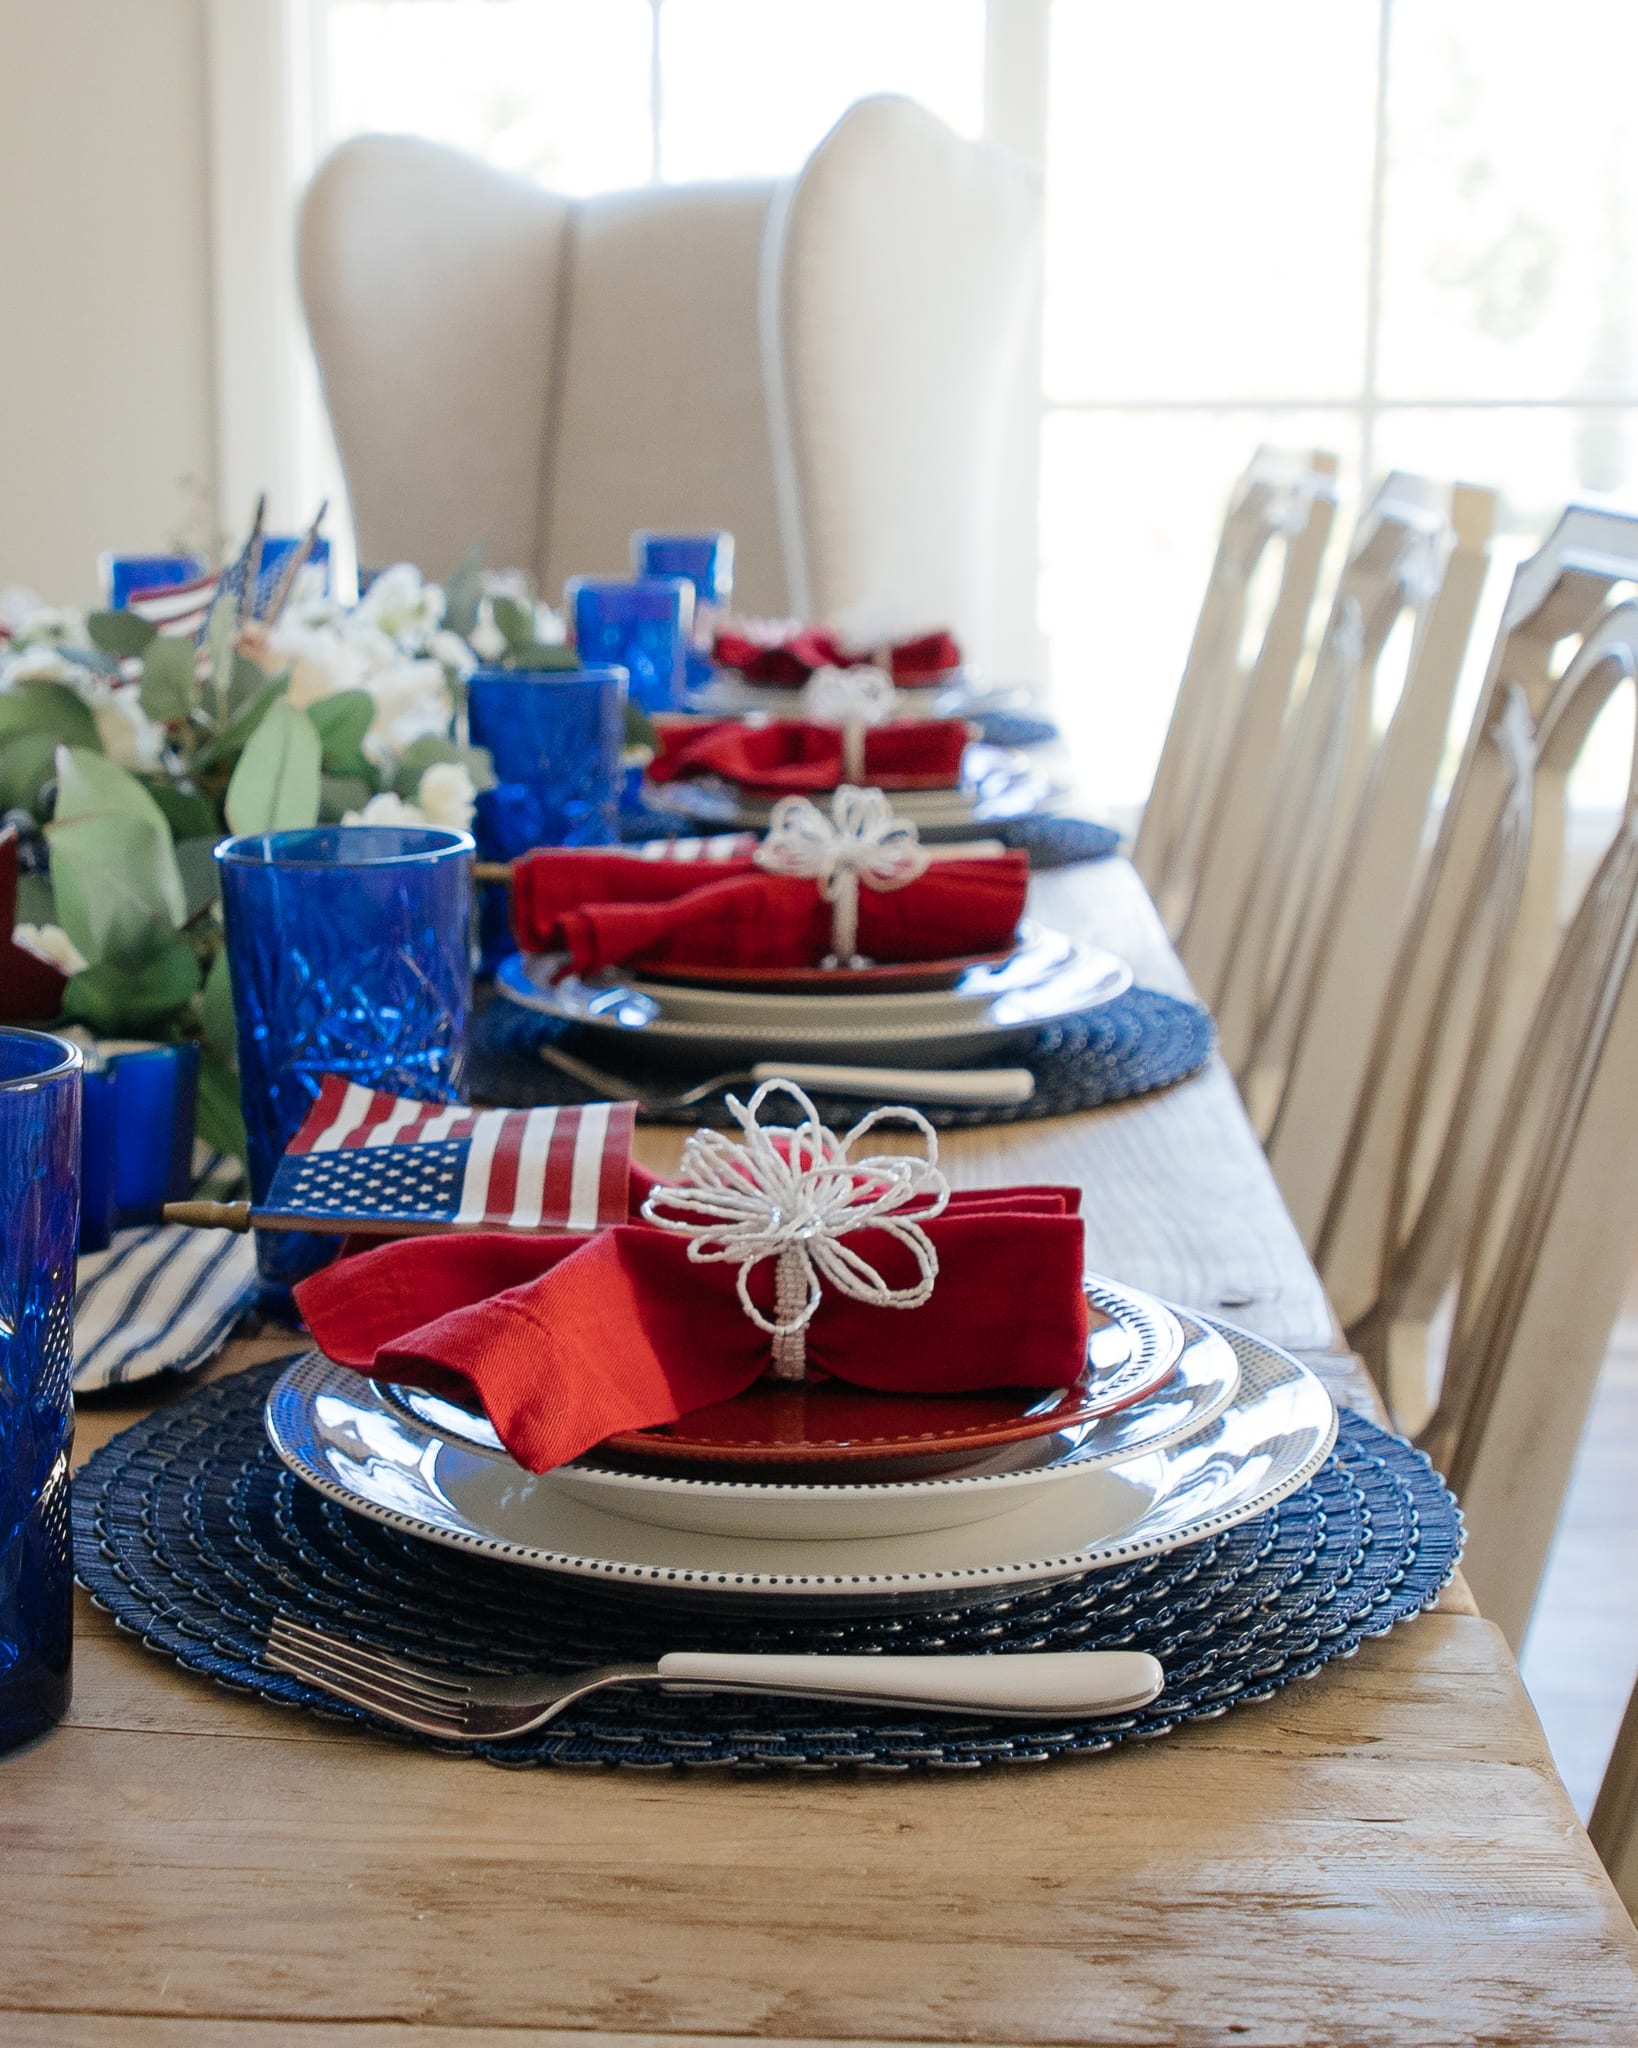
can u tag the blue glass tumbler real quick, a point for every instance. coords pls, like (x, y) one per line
(705, 559)
(350, 952)
(39, 1226)
(641, 625)
(555, 737)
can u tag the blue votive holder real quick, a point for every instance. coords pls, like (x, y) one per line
(641, 625)
(350, 952)
(704, 559)
(555, 736)
(39, 1227)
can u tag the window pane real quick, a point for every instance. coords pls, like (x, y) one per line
(1131, 508)
(1538, 457)
(1208, 182)
(1511, 250)
(556, 90)
(749, 86)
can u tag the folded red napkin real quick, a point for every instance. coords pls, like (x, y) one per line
(567, 1341)
(792, 758)
(913, 664)
(31, 989)
(603, 909)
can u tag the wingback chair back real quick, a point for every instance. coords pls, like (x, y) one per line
(822, 364)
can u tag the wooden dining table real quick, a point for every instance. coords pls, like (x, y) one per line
(1383, 1853)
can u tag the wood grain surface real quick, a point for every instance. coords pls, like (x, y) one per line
(1381, 1854)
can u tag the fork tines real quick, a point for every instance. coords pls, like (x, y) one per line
(412, 1695)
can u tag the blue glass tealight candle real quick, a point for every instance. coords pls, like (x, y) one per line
(641, 624)
(350, 952)
(39, 1227)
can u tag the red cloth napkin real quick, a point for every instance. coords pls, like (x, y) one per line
(604, 909)
(913, 664)
(792, 758)
(567, 1341)
(31, 989)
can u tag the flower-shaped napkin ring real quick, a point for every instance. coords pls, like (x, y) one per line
(797, 1201)
(854, 699)
(861, 841)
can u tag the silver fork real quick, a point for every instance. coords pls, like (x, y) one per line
(456, 1707)
(978, 1086)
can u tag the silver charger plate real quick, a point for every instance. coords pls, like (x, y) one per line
(1049, 976)
(1200, 1386)
(338, 1434)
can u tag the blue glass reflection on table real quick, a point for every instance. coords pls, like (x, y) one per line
(350, 952)
(555, 736)
(641, 625)
(39, 1225)
(127, 576)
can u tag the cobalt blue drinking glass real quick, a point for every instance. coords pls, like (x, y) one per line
(350, 952)
(641, 625)
(39, 1228)
(555, 737)
(705, 559)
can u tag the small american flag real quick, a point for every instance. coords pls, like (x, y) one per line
(179, 608)
(378, 1162)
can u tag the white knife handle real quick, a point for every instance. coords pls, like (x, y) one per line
(915, 1084)
(1040, 1684)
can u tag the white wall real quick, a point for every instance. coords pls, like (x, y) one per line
(106, 402)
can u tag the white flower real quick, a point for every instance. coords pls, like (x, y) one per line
(385, 809)
(129, 736)
(319, 660)
(41, 663)
(412, 702)
(446, 796)
(488, 641)
(50, 943)
(550, 627)
(309, 603)
(400, 605)
(512, 583)
(452, 651)
(31, 623)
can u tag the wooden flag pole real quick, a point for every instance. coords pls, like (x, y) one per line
(493, 871)
(209, 1215)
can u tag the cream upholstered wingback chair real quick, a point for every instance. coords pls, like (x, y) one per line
(824, 365)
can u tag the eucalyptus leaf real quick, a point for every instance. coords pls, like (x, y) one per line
(196, 862)
(118, 890)
(28, 766)
(339, 794)
(640, 729)
(34, 904)
(341, 722)
(236, 734)
(122, 634)
(516, 621)
(170, 686)
(216, 1022)
(539, 654)
(275, 787)
(248, 681)
(93, 793)
(217, 1117)
(113, 998)
(463, 592)
(417, 758)
(46, 707)
(189, 812)
(221, 635)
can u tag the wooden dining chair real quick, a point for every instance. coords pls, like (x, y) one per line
(1326, 899)
(1230, 704)
(1468, 971)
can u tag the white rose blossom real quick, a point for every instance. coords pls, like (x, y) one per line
(408, 610)
(412, 702)
(452, 651)
(129, 736)
(28, 622)
(385, 809)
(488, 641)
(446, 795)
(319, 661)
(50, 943)
(41, 663)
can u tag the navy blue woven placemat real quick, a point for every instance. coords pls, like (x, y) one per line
(192, 1535)
(1141, 1041)
(1050, 842)
(1014, 729)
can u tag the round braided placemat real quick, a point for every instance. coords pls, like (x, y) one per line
(192, 1535)
(1141, 1041)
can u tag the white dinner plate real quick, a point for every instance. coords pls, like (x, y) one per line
(729, 695)
(1199, 1388)
(340, 1435)
(989, 1009)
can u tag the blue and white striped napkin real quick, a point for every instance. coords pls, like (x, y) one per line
(161, 1298)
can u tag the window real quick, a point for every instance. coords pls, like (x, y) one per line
(1403, 229)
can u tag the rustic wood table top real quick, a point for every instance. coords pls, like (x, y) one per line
(1382, 1854)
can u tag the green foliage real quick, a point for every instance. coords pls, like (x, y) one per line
(188, 811)
(417, 759)
(170, 688)
(27, 765)
(121, 634)
(235, 735)
(463, 592)
(275, 787)
(341, 722)
(339, 794)
(537, 654)
(218, 1119)
(196, 862)
(640, 730)
(119, 995)
(105, 820)
(32, 707)
(216, 1026)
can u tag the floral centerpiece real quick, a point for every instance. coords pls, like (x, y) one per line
(126, 753)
